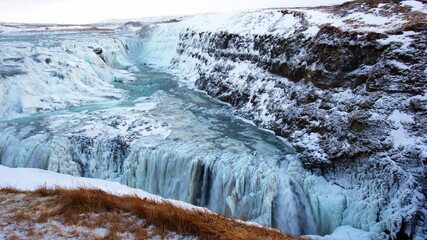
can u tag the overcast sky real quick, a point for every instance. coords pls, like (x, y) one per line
(90, 11)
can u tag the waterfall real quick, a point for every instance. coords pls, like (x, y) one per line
(167, 140)
(233, 180)
(292, 211)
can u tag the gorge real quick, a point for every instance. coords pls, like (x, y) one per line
(306, 120)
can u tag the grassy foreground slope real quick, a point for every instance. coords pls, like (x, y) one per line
(94, 214)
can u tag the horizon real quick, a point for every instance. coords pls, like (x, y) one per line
(96, 11)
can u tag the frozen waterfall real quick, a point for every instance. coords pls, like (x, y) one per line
(121, 121)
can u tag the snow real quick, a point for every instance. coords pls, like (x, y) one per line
(101, 232)
(311, 141)
(7, 29)
(371, 20)
(399, 134)
(399, 64)
(252, 22)
(145, 106)
(345, 233)
(320, 17)
(398, 116)
(32, 104)
(311, 31)
(29, 179)
(415, 5)
(245, 120)
(404, 38)
(114, 122)
(27, 28)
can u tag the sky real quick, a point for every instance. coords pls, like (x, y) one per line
(91, 11)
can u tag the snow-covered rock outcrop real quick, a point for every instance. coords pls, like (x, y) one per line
(345, 85)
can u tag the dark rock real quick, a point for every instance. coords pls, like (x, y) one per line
(17, 60)
(9, 71)
(57, 74)
(418, 105)
(98, 51)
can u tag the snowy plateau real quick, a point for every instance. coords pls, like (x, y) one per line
(309, 120)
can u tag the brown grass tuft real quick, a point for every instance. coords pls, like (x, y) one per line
(10, 190)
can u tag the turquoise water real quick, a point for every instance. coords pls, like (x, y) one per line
(215, 116)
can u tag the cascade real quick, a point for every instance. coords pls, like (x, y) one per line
(154, 135)
(235, 178)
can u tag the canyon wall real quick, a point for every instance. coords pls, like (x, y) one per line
(346, 91)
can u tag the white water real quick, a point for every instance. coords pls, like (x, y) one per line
(152, 134)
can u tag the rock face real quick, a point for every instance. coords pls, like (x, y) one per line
(354, 63)
(351, 101)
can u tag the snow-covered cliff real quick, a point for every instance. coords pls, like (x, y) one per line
(345, 85)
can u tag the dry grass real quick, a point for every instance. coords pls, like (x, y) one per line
(89, 29)
(384, 8)
(121, 215)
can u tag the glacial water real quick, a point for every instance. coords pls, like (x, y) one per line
(168, 140)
